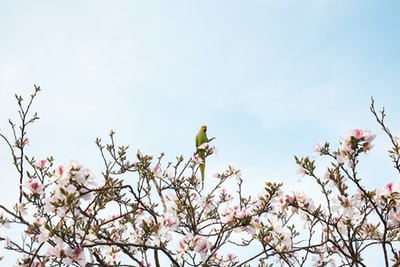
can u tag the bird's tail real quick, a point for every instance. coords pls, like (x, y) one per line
(202, 168)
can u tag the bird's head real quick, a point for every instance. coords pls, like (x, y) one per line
(203, 128)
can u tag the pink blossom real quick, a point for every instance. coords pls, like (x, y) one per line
(111, 257)
(60, 170)
(168, 224)
(208, 202)
(78, 256)
(356, 133)
(280, 205)
(157, 170)
(170, 221)
(182, 247)
(20, 207)
(317, 150)
(41, 164)
(203, 146)
(197, 159)
(242, 213)
(363, 138)
(301, 170)
(347, 207)
(341, 158)
(344, 201)
(136, 235)
(34, 186)
(392, 187)
(368, 136)
(44, 234)
(388, 194)
(227, 217)
(214, 150)
(194, 196)
(57, 250)
(71, 190)
(201, 245)
(116, 237)
(300, 200)
(231, 257)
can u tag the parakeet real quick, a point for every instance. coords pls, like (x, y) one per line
(201, 138)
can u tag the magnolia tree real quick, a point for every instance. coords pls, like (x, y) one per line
(147, 212)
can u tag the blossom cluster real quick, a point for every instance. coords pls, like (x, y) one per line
(139, 213)
(60, 209)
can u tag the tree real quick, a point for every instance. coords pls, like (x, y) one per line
(143, 211)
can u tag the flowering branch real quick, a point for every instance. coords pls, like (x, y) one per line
(144, 212)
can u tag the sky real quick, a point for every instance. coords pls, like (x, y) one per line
(270, 79)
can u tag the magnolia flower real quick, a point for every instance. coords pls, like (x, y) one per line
(389, 194)
(317, 150)
(347, 211)
(34, 186)
(51, 204)
(341, 158)
(59, 171)
(169, 223)
(299, 200)
(21, 143)
(20, 208)
(207, 204)
(230, 256)
(57, 250)
(362, 138)
(41, 164)
(226, 216)
(323, 258)
(364, 135)
(111, 254)
(75, 255)
(44, 234)
(203, 146)
(157, 170)
(300, 170)
(280, 205)
(197, 159)
(201, 245)
(182, 248)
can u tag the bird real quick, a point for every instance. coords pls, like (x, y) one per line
(201, 144)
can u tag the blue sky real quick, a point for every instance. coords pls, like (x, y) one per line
(269, 78)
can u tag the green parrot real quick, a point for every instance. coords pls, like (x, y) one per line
(201, 138)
